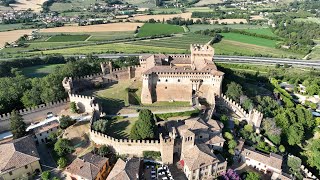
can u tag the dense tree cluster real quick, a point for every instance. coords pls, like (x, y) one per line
(17, 126)
(18, 91)
(144, 127)
(295, 123)
(295, 34)
(234, 91)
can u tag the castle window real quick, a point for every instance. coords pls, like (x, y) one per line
(166, 80)
(158, 80)
(178, 80)
(165, 87)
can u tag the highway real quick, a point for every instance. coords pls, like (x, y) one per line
(240, 59)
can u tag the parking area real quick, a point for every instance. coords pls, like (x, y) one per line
(157, 171)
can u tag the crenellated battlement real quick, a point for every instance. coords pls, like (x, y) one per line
(81, 96)
(254, 117)
(87, 77)
(201, 48)
(41, 107)
(114, 141)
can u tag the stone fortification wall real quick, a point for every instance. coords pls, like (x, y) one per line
(84, 103)
(34, 114)
(125, 73)
(254, 117)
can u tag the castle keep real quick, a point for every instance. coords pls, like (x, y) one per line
(174, 77)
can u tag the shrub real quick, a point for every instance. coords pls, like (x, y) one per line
(73, 107)
(192, 113)
(62, 162)
(66, 121)
(45, 175)
(152, 155)
(282, 148)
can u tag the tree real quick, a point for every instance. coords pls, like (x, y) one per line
(17, 126)
(272, 131)
(234, 91)
(62, 162)
(312, 152)
(228, 135)
(248, 128)
(63, 147)
(65, 121)
(100, 125)
(145, 126)
(253, 176)
(45, 175)
(295, 134)
(294, 162)
(282, 148)
(73, 107)
(224, 119)
(103, 150)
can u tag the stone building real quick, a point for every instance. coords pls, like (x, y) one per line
(19, 158)
(181, 77)
(88, 167)
(268, 163)
(173, 77)
(42, 132)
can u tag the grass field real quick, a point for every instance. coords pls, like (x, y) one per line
(74, 5)
(112, 48)
(315, 53)
(228, 47)
(109, 36)
(262, 31)
(9, 27)
(166, 10)
(249, 39)
(40, 70)
(152, 29)
(142, 3)
(120, 128)
(309, 19)
(197, 27)
(68, 38)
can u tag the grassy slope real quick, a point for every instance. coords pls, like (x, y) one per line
(151, 29)
(262, 31)
(40, 70)
(249, 39)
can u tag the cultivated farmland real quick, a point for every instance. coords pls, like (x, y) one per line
(40, 70)
(94, 28)
(10, 36)
(179, 42)
(68, 38)
(153, 29)
(262, 31)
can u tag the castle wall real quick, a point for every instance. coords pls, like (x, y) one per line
(84, 103)
(35, 114)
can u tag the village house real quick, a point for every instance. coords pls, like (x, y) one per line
(19, 158)
(129, 170)
(42, 133)
(267, 163)
(88, 167)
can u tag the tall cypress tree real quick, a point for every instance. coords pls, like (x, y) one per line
(17, 126)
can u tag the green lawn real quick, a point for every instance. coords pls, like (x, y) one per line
(249, 39)
(68, 38)
(166, 10)
(74, 5)
(154, 29)
(315, 53)
(109, 36)
(262, 31)
(40, 70)
(120, 127)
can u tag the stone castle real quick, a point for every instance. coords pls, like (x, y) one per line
(174, 77)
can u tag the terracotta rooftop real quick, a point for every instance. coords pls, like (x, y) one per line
(125, 170)
(272, 160)
(181, 60)
(46, 127)
(18, 153)
(215, 139)
(199, 156)
(87, 166)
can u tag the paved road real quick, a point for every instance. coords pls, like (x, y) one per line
(239, 59)
(229, 59)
